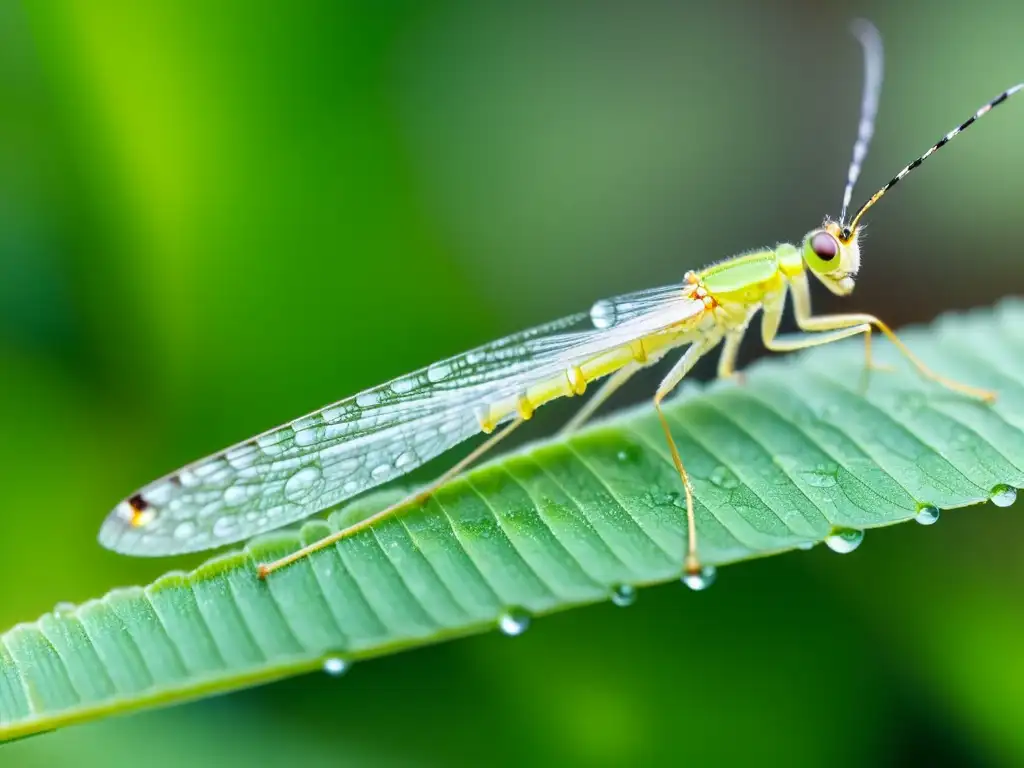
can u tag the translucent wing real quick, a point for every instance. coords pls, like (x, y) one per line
(330, 455)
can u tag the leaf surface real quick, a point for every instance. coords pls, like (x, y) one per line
(806, 446)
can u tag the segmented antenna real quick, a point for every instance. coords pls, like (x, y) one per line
(871, 41)
(849, 230)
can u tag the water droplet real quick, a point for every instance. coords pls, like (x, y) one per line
(184, 530)
(629, 454)
(927, 514)
(1003, 495)
(623, 595)
(602, 314)
(667, 499)
(235, 495)
(224, 527)
(805, 545)
(723, 477)
(844, 540)
(822, 476)
(299, 484)
(702, 579)
(335, 667)
(514, 622)
(63, 609)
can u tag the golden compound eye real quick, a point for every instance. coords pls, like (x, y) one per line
(825, 246)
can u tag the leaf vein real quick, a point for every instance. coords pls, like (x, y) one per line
(430, 618)
(767, 404)
(581, 515)
(547, 525)
(898, 423)
(469, 555)
(519, 553)
(673, 556)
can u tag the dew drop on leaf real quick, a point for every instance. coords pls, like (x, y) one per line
(1003, 495)
(628, 454)
(666, 499)
(844, 540)
(723, 477)
(822, 476)
(927, 514)
(623, 595)
(514, 622)
(334, 666)
(700, 580)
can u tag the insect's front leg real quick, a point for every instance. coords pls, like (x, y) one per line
(730, 350)
(824, 329)
(816, 323)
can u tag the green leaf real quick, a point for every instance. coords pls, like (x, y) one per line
(808, 445)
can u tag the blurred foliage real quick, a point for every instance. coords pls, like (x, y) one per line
(214, 217)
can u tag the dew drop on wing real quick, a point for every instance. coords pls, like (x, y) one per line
(224, 527)
(603, 314)
(298, 486)
(235, 495)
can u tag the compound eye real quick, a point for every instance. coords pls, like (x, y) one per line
(825, 246)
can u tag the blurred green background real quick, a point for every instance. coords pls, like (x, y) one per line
(216, 216)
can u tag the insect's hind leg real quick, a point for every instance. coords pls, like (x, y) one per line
(265, 569)
(691, 564)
